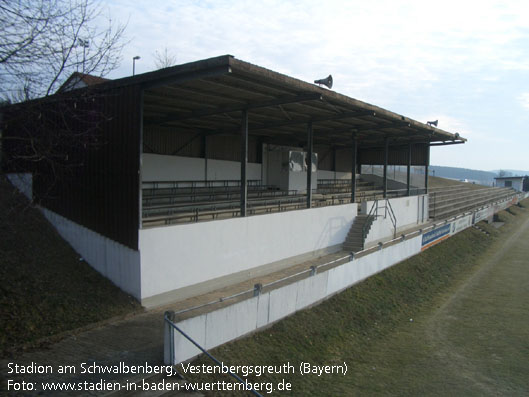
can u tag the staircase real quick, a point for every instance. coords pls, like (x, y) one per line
(354, 241)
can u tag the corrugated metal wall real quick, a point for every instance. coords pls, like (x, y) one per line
(171, 141)
(90, 144)
(396, 156)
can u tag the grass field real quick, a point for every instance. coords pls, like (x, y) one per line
(451, 321)
(45, 288)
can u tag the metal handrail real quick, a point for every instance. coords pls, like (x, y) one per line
(200, 183)
(263, 286)
(252, 390)
(392, 217)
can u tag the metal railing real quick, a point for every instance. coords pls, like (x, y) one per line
(258, 288)
(235, 376)
(198, 184)
(373, 215)
(180, 212)
(392, 217)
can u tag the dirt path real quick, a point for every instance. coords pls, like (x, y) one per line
(474, 342)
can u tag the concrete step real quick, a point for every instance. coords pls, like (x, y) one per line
(354, 234)
(449, 211)
(355, 239)
(468, 196)
(476, 202)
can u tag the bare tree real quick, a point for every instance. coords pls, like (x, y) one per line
(164, 59)
(42, 42)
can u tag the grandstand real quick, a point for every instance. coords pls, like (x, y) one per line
(190, 180)
(194, 176)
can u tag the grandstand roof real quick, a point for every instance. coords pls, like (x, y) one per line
(208, 96)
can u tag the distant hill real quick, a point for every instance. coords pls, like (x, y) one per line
(513, 172)
(477, 176)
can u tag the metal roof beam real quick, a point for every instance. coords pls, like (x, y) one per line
(340, 116)
(446, 143)
(184, 77)
(234, 108)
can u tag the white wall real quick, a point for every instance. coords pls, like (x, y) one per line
(178, 256)
(23, 182)
(221, 170)
(118, 263)
(157, 167)
(228, 323)
(409, 211)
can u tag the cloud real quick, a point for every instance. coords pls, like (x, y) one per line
(524, 99)
(383, 42)
(458, 60)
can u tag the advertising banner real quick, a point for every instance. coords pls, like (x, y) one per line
(461, 224)
(435, 236)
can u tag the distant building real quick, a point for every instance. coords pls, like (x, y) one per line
(515, 182)
(80, 80)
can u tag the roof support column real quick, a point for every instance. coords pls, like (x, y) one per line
(353, 169)
(426, 169)
(140, 171)
(205, 152)
(385, 178)
(408, 171)
(334, 168)
(244, 161)
(309, 164)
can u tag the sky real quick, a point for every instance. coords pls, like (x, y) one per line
(464, 63)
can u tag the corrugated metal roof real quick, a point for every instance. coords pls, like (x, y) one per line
(208, 96)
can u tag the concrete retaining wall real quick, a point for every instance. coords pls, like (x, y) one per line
(228, 323)
(118, 263)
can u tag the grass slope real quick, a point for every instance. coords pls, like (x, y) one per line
(356, 325)
(45, 288)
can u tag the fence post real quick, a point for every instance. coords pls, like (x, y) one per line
(168, 345)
